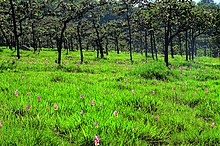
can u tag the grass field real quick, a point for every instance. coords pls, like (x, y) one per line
(123, 104)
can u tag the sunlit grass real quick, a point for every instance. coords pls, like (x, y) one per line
(154, 105)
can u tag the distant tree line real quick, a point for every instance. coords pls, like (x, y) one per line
(163, 26)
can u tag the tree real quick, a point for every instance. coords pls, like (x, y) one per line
(174, 16)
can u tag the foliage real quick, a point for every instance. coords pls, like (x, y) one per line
(46, 104)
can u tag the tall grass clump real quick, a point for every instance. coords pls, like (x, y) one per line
(156, 70)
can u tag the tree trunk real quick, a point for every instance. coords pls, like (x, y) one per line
(186, 39)
(180, 45)
(106, 46)
(51, 42)
(205, 51)
(146, 44)
(33, 37)
(166, 57)
(60, 42)
(67, 47)
(151, 44)
(193, 48)
(15, 29)
(129, 30)
(97, 48)
(116, 44)
(171, 45)
(155, 47)
(71, 42)
(80, 41)
(98, 40)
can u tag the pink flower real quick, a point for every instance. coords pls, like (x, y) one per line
(132, 91)
(92, 102)
(96, 139)
(55, 107)
(152, 92)
(38, 98)
(213, 124)
(82, 112)
(28, 107)
(156, 118)
(134, 127)
(207, 92)
(0, 123)
(115, 113)
(16, 92)
(96, 124)
(101, 104)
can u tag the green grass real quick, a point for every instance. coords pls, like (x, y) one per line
(185, 97)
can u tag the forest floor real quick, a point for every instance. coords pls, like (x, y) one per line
(145, 103)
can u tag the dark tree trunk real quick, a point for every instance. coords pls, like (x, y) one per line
(66, 46)
(51, 42)
(39, 43)
(98, 40)
(146, 44)
(33, 37)
(167, 30)
(155, 47)
(186, 39)
(12, 41)
(129, 31)
(171, 48)
(97, 44)
(180, 45)
(190, 44)
(60, 42)
(80, 41)
(71, 42)
(152, 45)
(106, 46)
(116, 44)
(193, 47)
(171, 45)
(15, 29)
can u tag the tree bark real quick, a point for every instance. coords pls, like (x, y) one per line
(129, 30)
(80, 41)
(116, 44)
(33, 37)
(98, 40)
(146, 43)
(155, 47)
(15, 29)
(186, 39)
(167, 30)
(152, 45)
(97, 44)
(60, 42)
(171, 45)
(180, 45)
(106, 46)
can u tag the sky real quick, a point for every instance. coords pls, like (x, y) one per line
(216, 1)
